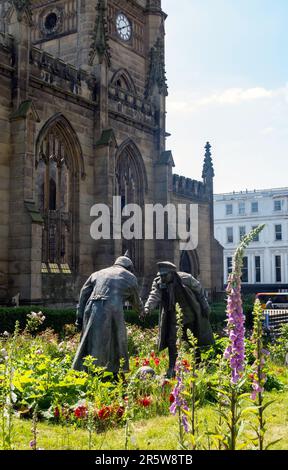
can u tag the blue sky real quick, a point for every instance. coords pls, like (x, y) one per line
(227, 70)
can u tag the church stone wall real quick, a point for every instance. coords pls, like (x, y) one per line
(81, 117)
(5, 152)
(65, 76)
(204, 238)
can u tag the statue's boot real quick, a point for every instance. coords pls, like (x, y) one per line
(170, 374)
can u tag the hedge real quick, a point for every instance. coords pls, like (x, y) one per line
(55, 319)
(218, 313)
(58, 318)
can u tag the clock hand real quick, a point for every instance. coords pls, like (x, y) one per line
(123, 27)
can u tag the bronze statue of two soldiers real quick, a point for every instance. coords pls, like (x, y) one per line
(100, 315)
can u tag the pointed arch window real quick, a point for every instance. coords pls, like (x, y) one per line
(185, 264)
(131, 183)
(189, 263)
(57, 189)
(123, 80)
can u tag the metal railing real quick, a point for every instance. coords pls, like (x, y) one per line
(275, 318)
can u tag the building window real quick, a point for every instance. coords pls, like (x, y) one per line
(257, 269)
(278, 233)
(242, 232)
(229, 209)
(131, 183)
(59, 165)
(277, 206)
(229, 265)
(241, 208)
(52, 181)
(230, 237)
(256, 237)
(52, 22)
(245, 277)
(254, 207)
(185, 263)
(278, 269)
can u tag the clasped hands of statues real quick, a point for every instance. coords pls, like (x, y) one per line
(143, 314)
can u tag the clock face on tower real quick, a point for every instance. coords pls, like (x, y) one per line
(123, 27)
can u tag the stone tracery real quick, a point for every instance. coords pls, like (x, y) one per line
(57, 179)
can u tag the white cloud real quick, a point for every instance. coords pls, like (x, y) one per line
(267, 131)
(248, 130)
(228, 97)
(236, 95)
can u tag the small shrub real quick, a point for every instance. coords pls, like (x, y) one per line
(279, 349)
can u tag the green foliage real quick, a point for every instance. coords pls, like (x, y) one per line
(218, 315)
(57, 319)
(273, 383)
(259, 376)
(156, 433)
(36, 382)
(34, 322)
(54, 318)
(279, 349)
(141, 341)
(233, 411)
(212, 352)
(45, 388)
(149, 321)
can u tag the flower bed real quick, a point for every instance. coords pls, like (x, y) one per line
(37, 382)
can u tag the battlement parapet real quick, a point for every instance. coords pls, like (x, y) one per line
(55, 71)
(190, 188)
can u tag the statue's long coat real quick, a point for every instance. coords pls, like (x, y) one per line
(189, 293)
(100, 308)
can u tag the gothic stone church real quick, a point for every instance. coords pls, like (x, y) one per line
(82, 119)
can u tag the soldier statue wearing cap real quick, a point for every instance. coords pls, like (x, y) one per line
(100, 315)
(169, 288)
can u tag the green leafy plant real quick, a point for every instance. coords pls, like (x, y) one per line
(8, 396)
(259, 375)
(232, 391)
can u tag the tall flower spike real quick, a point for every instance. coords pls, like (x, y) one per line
(235, 352)
(259, 376)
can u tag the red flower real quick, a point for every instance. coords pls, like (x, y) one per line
(185, 363)
(166, 383)
(137, 361)
(152, 354)
(156, 361)
(105, 412)
(146, 362)
(81, 412)
(120, 411)
(56, 412)
(146, 401)
(171, 398)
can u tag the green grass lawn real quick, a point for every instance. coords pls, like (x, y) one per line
(155, 434)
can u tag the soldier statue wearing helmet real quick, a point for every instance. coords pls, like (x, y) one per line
(171, 287)
(100, 315)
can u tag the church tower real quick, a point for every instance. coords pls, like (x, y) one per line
(120, 45)
(121, 42)
(83, 106)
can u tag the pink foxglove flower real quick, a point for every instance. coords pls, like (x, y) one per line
(235, 352)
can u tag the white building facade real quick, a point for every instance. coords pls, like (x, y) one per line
(266, 259)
